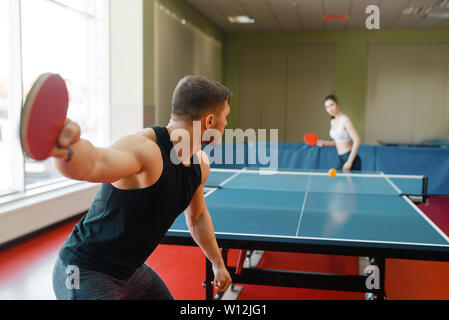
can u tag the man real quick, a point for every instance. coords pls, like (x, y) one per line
(143, 191)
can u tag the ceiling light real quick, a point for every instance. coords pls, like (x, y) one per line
(416, 10)
(438, 15)
(440, 6)
(241, 19)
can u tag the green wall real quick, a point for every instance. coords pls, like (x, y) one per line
(183, 10)
(351, 61)
(351, 55)
(186, 11)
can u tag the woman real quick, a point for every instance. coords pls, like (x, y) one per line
(344, 136)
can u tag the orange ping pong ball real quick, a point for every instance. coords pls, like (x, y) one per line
(332, 173)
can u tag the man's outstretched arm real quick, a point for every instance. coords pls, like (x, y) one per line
(123, 158)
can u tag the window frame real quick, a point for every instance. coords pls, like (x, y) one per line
(24, 202)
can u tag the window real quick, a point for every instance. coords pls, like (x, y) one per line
(10, 172)
(67, 37)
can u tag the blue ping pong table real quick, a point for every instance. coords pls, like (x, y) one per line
(353, 214)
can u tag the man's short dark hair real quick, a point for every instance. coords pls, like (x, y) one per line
(195, 95)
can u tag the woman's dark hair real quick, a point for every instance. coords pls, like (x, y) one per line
(194, 95)
(331, 97)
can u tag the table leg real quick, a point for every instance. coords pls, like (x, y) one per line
(380, 262)
(209, 278)
(242, 257)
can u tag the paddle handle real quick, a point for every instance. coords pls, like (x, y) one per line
(61, 152)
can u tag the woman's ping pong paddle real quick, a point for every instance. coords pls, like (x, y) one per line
(311, 139)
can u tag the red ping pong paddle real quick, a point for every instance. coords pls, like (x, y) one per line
(311, 139)
(43, 115)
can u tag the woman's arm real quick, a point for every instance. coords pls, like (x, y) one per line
(355, 145)
(325, 143)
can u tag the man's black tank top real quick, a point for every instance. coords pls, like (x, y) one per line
(123, 227)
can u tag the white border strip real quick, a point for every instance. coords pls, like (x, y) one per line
(392, 184)
(302, 212)
(327, 239)
(226, 181)
(303, 205)
(232, 177)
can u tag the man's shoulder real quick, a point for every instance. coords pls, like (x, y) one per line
(148, 133)
(146, 144)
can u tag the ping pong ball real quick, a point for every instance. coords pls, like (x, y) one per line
(332, 172)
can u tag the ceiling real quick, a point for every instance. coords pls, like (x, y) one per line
(307, 15)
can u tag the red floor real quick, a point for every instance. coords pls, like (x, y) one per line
(25, 268)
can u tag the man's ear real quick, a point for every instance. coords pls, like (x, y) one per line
(209, 121)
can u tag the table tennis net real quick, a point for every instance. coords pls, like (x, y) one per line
(304, 181)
